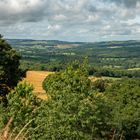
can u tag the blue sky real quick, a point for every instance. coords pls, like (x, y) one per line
(71, 20)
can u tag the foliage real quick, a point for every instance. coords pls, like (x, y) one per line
(22, 106)
(124, 97)
(73, 78)
(9, 68)
(113, 72)
(100, 85)
(76, 108)
(75, 111)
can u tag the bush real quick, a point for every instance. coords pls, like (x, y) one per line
(22, 107)
(124, 97)
(74, 110)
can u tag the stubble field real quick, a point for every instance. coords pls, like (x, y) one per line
(36, 79)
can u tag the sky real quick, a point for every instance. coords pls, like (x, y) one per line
(70, 20)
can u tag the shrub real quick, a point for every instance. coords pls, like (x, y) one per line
(74, 110)
(22, 107)
(124, 97)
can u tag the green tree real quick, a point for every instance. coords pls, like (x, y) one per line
(9, 68)
(124, 97)
(74, 110)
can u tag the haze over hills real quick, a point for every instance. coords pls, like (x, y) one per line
(100, 43)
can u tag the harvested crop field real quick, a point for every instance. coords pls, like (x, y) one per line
(36, 78)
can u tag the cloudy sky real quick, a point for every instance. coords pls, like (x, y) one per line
(71, 20)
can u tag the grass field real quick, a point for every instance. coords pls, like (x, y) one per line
(67, 46)
(36, 78)
(93, 78)
(110, 78)
(135, 69)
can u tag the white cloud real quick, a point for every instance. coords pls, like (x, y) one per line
(54, 27)
(70, 19)
(93, 18)
(59, 17)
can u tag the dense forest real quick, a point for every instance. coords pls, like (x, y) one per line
(77, 108)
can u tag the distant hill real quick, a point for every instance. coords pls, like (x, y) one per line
(114, 54)
(29, 42)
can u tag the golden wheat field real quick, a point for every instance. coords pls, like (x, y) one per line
(36, 78)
